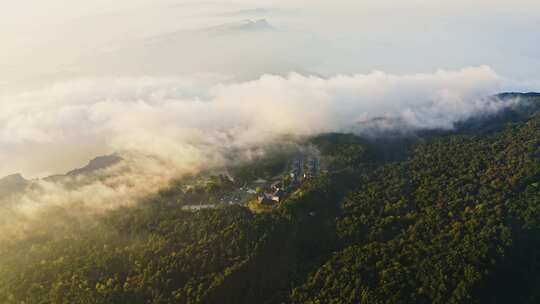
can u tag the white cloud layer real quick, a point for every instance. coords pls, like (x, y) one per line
(80, 79)
(189, 122)
(166, 127)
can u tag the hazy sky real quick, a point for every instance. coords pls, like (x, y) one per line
(46, 40)
(83, 78)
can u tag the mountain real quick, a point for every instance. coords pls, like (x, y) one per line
(446, 217)
(508, 95)
(93, 166)
(201, 35)
(16, 183)
(98, 163)
(202, 49)
(518, 107)
(12, 184)
(523, 105)
(261, 25)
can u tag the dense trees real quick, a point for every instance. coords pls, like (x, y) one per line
(451, 217)
(438, 227)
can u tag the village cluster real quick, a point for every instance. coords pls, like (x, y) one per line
(267, 192)
(300, 169)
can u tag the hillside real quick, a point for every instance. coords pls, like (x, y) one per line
(93, 166)
(12, 184)
(438, 217)
(16, 184)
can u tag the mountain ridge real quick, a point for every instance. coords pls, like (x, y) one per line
(15, 183)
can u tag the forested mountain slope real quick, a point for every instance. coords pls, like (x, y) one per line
(455, 223)
(449, 217)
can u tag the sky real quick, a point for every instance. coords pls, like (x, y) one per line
(189, 80)
(58, 39)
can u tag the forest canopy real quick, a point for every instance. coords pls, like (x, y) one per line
(435, 217)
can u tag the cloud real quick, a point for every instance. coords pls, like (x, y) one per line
(167, 127)
(193, 121)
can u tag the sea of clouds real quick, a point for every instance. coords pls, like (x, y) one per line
(167, 127)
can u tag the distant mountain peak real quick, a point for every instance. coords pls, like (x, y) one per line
(13, 177)
(98, 163)
(508, 95)
(15, 183)
(256, 25)
(260, 23)
(12, 184)
(247, 25)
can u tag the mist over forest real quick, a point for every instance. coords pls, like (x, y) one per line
(282, 152)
